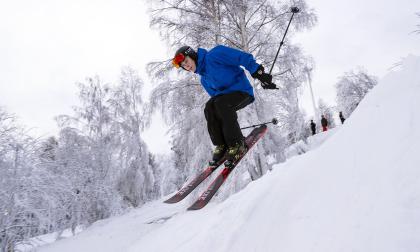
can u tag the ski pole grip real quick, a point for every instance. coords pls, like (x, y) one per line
(294, 9)
(274, 121)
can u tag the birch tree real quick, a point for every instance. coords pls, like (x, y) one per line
(136, 182)
(87, 151)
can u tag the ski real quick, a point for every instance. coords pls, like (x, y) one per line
(188, 188)
(204, 198)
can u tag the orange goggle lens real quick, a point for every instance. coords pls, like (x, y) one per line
(178, 60)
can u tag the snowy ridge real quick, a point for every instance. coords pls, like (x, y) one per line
(359, 191)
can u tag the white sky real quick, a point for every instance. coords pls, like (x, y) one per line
(374, 34)
(47, 46)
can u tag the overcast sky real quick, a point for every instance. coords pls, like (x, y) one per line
(47, 46)
(373, 34)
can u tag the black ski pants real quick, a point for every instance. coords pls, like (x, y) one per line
(222, 120)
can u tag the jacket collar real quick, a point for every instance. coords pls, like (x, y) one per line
(201, 55)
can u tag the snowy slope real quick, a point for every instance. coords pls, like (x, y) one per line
(359, 191)
(311, 143)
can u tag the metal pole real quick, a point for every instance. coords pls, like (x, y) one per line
(274, 121)
(293, 10)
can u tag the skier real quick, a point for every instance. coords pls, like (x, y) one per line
(313, 127)
(342, 119)
(229, 89)
(324, 123)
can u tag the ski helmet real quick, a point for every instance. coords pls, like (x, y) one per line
(183, 52)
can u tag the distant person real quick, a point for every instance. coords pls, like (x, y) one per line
(313, 127)
(324, 123)
(342, 119)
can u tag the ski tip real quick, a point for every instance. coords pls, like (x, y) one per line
(195, 207)
(172, 200)
(199, 204)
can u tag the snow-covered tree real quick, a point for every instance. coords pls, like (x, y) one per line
(48, 148)
(75, 162)
(31, 198)
(137, 170)
(253, 26)
(11, 225)
(87, 155)
(351, 88)
(101, 152)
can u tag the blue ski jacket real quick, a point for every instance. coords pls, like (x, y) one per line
(220, 70)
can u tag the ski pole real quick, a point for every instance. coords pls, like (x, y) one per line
(294, 10)
(274, 121)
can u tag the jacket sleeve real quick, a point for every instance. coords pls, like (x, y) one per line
(234, 57)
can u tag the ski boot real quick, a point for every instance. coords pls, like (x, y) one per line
(235, 152)
(218, 154)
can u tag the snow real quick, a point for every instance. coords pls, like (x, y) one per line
(46, 239)
(358, 191)
(311, 143)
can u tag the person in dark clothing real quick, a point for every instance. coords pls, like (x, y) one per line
(229, 89)
(342, 119)
(324, 123)
(313, 127)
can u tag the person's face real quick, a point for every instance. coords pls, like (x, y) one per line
(188, 64)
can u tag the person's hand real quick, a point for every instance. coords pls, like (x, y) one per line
(265, 78)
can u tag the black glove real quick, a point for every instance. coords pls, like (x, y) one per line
(265, 78)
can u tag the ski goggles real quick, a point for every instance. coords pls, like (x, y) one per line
(178, 59)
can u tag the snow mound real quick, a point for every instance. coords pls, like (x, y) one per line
(311, 143)
(359, 191)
